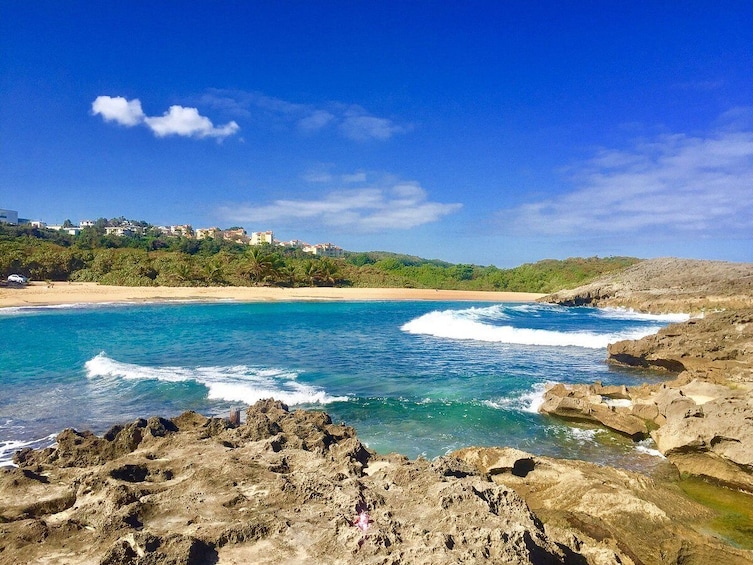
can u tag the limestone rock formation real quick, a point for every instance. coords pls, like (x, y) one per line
(611, 407)
(282, 488)
(607, 515)
(716, 348)
(668, 285)
(705, 429)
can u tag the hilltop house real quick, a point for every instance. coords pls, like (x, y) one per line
(260, 237)
(324, 250)
(207, 233)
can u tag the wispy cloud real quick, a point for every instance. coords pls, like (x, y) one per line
(178, 120)
(348, 120)
(670, 186)
(399, 205)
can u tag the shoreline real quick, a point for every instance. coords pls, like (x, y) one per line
(38, 294)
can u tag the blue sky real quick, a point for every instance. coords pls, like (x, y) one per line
(479, 132)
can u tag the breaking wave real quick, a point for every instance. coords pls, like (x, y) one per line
(8, 448)
(529, 401)
(239, 383)
(476, 324)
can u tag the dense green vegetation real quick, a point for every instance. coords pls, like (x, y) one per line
(153, 259)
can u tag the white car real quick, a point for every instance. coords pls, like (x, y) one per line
(19, 279)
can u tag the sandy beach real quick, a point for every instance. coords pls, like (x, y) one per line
(42, 294)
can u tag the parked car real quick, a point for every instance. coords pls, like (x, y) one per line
(18, 279)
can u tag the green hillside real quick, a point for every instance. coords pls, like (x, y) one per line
(153, 259)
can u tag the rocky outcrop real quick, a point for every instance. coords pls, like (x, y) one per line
(281, 488)
(705, 429)
(702, 419)
(668, 285)
(611, 407)
(603, 512)
(708, 432)
(716, 348)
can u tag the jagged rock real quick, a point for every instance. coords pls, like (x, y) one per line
(283, 487)
(716, 348)
(712, 440)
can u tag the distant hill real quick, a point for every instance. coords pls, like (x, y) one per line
(668, 285)
(152, 259)
(386, 269)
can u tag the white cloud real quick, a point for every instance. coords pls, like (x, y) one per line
(671, 186)
(118, 109)
(350, 121)
(187, 122)
(401, 206)
(359, 176)
(178, 120)
(316, 120)
(363, 128)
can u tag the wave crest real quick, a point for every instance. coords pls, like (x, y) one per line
(239, 383)
(453, 324)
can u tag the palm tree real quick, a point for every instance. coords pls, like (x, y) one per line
(259, 266)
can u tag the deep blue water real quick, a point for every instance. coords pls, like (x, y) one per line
(420, 378)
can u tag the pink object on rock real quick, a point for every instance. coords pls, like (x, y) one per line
(363, 521)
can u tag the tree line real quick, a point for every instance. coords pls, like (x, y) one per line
(153, 259)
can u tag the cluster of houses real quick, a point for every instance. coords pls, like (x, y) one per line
(129, 229)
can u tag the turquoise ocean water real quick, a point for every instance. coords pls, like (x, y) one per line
(419, 378)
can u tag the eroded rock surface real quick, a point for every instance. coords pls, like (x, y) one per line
(604, 513)
(716, 348)
(702, 420)
(705, 429)
(282, 488)
(668, 285)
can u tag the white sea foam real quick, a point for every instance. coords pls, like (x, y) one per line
(529, 401)
(239, 383)
(455, 324)
(628, 314)
(8, 448)
(618, 402)
(584, 435)
(648, 446)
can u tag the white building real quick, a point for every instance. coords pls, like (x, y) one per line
(71, 230)
(297, 243)
(9, 217)
(260, 237)
(86, 224)
(324, 250)
(185, 230)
